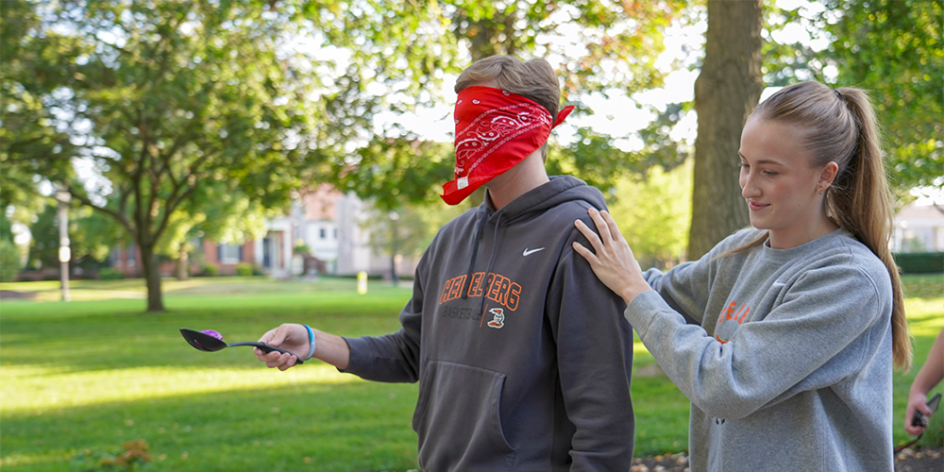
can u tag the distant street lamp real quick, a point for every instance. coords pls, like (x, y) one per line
(393, 254)
(65, 254)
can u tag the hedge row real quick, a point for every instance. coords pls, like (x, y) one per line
(920, 262)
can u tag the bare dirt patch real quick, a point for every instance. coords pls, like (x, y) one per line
(908, 460)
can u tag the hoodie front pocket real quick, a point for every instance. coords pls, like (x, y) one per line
(458, 419)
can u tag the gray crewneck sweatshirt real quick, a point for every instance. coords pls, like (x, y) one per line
(522, 354)
(786, 355)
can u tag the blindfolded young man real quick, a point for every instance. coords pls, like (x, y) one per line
(522, 355)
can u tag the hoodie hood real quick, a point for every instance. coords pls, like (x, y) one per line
(560, 189)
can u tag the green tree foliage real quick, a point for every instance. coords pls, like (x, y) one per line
(594, 158)
(258, 96)
(27, 75)
(216, 212)
(895, 49)
(654, 214)
(91, 236)
(393, 172)
(416, 225)
(165, 98)
(596, 47)
(28, 126)
(10, 263)
(403, 44)
(6, 227)
(410, 231)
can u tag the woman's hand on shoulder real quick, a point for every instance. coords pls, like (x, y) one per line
(611, 259)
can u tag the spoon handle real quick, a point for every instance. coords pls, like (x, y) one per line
(267, 348)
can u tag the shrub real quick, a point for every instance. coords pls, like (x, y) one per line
(920, 262)
(369, 276)
(301, 248)
(109, 273)
(244, 269)
(9, 261)
(210, 270)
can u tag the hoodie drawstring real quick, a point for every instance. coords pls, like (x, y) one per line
(491, 259)
(479, 229)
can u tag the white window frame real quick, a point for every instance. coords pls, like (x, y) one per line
(229, 253)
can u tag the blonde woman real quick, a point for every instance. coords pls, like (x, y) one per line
(784, 336)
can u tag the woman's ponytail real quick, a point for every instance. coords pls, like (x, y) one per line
(860, 202)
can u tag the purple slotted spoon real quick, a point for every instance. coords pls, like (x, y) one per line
(211, 341)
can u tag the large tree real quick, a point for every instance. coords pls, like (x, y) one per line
(726, 92)
(165, 97)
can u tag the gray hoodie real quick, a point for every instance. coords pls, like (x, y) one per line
(521, 353)
(785, 354)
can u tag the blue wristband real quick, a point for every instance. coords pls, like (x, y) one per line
(311, 342)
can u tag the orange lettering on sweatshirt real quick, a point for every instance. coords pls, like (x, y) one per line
(492, 286)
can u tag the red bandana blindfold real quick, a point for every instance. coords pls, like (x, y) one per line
(495, 130)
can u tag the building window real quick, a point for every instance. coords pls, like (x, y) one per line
(229, 253)
(335, 231)
(322, 233)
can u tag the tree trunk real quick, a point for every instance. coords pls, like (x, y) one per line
(726, 92)
(182, 261)
(152, 276)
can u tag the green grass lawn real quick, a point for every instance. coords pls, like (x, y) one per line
(90, 375)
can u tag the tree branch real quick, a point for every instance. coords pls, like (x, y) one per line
(121, 218)
(171, 206)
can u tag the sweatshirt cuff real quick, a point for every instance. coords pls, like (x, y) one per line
(355, 363)
(640, 312)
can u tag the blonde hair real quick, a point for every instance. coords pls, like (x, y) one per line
(535, 80)
(840, 126)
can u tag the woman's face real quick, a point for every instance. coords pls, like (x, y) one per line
(781, 187)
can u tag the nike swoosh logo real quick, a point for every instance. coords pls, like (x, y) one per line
(528, 252)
